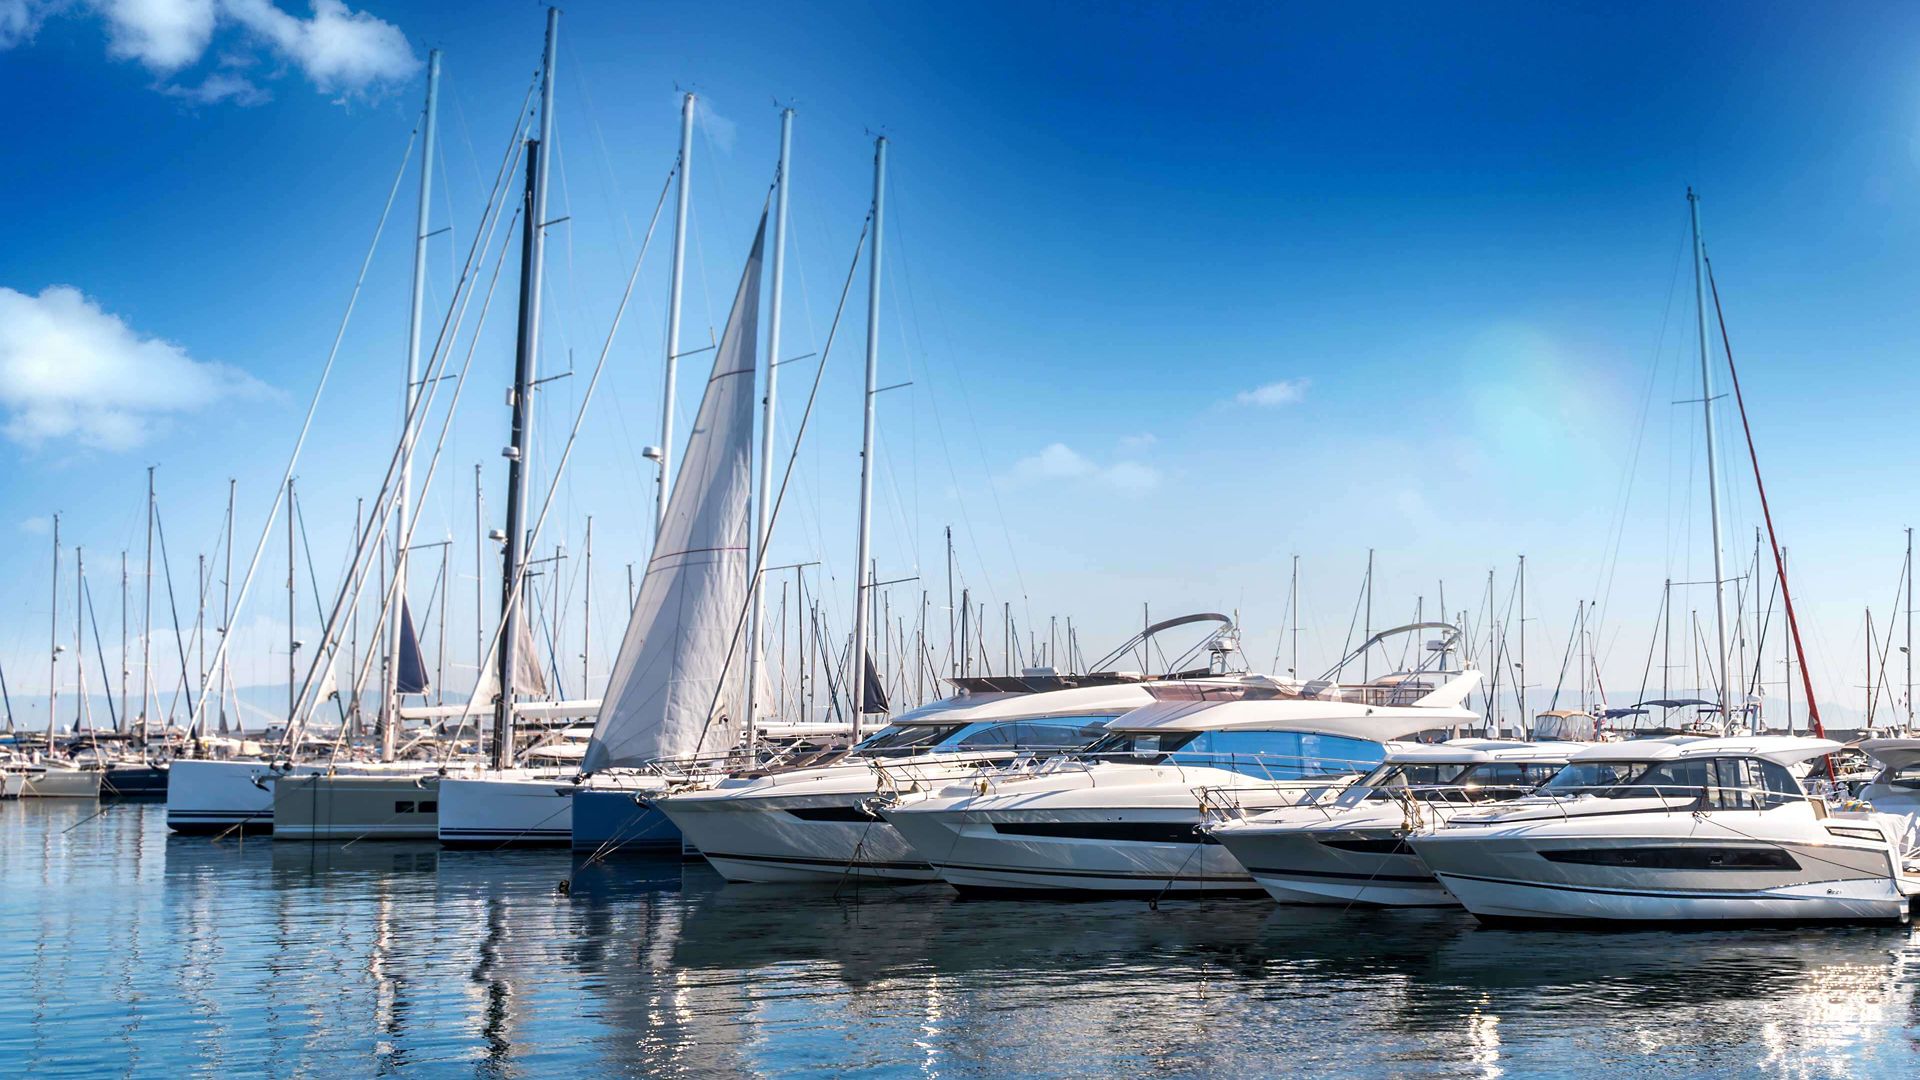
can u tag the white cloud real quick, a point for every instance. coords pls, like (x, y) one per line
(718, 128)
(18, 21)
(1058, 461)
(36, 526)
(1134, 443)
(164, 35)
(69, 370)
(1280, 392)
(339, 50)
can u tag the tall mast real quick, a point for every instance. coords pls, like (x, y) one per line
(1713, 467)
(479, 575)
(1293, 618)
(858, 677)
(675, 285)
(146, 622)
(1520, 677)
(121, 727)
(293, 614)
(762, 529)
(390, 665)
(586, 620)
(79, 639)
(526, 355)
(226, 608)
(1909, 649)
(53, 639)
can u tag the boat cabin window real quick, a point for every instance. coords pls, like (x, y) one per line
(1582, 777)
(898, 739)
(1276, 755)
(1414, 775)
(1510, 774)
(1727, 783)
(1048, 733)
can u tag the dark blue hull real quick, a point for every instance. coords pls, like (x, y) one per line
(612, 822)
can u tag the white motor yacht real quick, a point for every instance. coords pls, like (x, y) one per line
(1123, 817)
(1895, 788)
(814, 824)
(1677, 829)
(1352, 849)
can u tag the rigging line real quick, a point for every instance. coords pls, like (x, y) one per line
(799, 438)
(906, 270)
(330, 640)
(420, 408)
(179, 640)
(106, 681)
(313, 584)
(520, 577)
(313, 407)
(1780, 565)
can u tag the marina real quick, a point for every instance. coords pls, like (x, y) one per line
(948, 576)
(282, 959)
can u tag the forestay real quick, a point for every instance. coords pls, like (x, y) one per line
(673, 693)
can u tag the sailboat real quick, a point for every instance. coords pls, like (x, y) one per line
(1685, 828)
(673, 694)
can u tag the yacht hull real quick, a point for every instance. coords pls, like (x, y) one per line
(134, 781)
(1507, 878)
(527, 810)
(1372, 867)
(621, 821)
(347, 807)
(1073, 851)
(212, 797)
(58, 783)
(805, 839)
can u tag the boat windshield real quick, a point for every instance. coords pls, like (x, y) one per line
(1042, 733)
(1906, 776)
(1276, 755)
(1581, 777)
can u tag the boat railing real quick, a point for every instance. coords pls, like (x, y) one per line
(1687, 798)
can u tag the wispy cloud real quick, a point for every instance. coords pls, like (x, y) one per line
(71, 371)
(1058, 461)
(1130, 444)
(1279, 392)
(36, 526)
(720, 129)
(339, 50)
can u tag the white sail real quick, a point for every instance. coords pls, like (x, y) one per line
(673, 693)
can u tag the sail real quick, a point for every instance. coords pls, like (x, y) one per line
(412, 677)
(672, 692)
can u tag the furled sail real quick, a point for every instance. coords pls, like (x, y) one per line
(412, 677)
(673, 693)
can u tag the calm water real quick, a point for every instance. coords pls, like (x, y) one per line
(125, 952)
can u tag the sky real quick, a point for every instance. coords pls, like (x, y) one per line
(1179, 293)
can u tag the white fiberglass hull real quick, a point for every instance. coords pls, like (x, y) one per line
(56, 782)
(1113, 830)
(1341, 866)
(804, 828)
(1527, 873)
(215, 796)
(522, 808)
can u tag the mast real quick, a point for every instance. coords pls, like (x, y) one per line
(293, 615)
(1909, 649)
(1293, 617)
(121, 727)
(79, 639)
(1520, 677)
(1713, 466)
(479, 577)
(226, 608)
(953, 657)
(762, 529)
(53, 639)
(859, 675)
(675, 285)
(146, 622)
(586, 619)
(410, 394)
(532, 252)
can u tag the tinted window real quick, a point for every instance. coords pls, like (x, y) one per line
(1584, 775)
(1511, 774)
(1051, 733)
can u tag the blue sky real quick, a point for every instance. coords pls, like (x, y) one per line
(1181, 291)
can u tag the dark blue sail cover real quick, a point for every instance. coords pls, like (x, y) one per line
(412, 678)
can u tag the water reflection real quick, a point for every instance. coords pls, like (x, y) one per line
(128, 951)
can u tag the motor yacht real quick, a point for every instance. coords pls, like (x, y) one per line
(813, 823)
(1678, 829)
(1352, 849)
(1123, 816)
